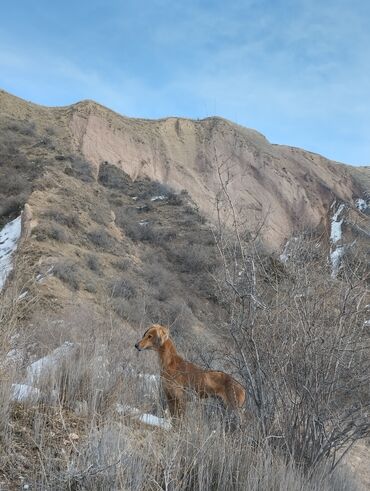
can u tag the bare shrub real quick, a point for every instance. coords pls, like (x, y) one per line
(101, 238)
(143, 232)
(113, 177)
(123, 288)
(14, 184)
(299, 344)
(11, 207)
(93, 263)
(140, 230)
(160, 280)
(198, 455)
(180, 318)
(57, 233)
(80, 168)
(68, 220)
(25, 127)
(122, 264)
(69, 272)
(193, 258)
(90, 286)
(51, 231)
(101, 214)
(130, 310)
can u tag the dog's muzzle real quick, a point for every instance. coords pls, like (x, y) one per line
(137, 346)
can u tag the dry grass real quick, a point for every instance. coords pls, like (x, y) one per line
(74, 438)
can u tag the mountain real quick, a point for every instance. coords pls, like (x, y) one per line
(286, 188)
(254, 254)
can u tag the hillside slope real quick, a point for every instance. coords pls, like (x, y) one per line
(286, 188)
(118, 227)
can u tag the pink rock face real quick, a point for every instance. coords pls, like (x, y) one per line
(283, 187)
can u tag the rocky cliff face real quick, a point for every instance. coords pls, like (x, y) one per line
(284, 187)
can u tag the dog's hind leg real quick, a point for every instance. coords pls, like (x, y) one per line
(233, 416)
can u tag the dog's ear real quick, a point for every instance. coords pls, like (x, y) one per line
(163, 334)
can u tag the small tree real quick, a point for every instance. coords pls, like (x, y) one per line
(300, 339)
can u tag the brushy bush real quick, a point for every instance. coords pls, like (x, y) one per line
(51, 231)
(69, 272)
(11, 208)
(27, 128)
(50, 131)
(113, 177)
(192, 258)
(80, 168)
(101, 238)
(93, 263)
(122, 288)
(13, 184)
(57, 233)
(291, 345)
(161, 282)
(143, 232)
(90, 286)
(69, 220)
(122, 264)
(132, 310)
(101, 214)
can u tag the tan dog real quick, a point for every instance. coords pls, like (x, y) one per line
(178, 375)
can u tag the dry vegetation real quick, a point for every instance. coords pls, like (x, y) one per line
(300, 349)
(125, 253)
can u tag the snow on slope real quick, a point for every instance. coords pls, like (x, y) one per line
(9, 237)
(336, 225)
(361, 204)
(146, 418)
(49, 362)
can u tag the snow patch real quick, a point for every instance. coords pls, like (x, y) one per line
(335, 259)
(161, 197)
(146, 418)
(40, 367)
(9, 237)
(24, 393)
(361, 204)
(336, 251)
(41, 276)
(336, 225)
(150, 419)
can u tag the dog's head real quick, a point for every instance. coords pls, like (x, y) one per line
(153, 338)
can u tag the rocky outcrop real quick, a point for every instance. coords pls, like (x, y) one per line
(285, 188)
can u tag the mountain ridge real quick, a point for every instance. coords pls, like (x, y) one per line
(284, 186)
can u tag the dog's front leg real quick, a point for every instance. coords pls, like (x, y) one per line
(176, 404)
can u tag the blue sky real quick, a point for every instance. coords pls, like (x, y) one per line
(298, 71)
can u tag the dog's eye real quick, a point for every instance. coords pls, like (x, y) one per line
(149, 336)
